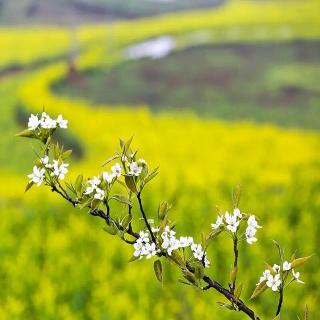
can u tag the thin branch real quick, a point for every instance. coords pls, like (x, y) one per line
(229, 295)
(145, 218)
(235, 262)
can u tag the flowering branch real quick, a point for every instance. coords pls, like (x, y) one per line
(156, 240)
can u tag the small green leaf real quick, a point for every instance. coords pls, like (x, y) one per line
(131, 184)
(176, 259)
(56, 151)
(233, 274)
(213, 234)
(163, 210)
(133, 258)
(237, 292)
(78, 185)
(109, 160)
(260, 288)
(27, 134)
(126, 221)
(29, 186)
(298, 262)
(199, 272)
(157, 266)
(226, 305)
(84, 204)
(111, 229)
(95, 204)
(152, 175)
(121, 198)
(190, 277)
(65, 155)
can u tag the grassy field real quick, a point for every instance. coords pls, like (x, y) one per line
(57, 263)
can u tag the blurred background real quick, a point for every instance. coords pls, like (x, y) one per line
(215, 92)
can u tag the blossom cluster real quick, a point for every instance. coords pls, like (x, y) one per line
(46, 122)
(56, 169)
(144, 247)
(232, 222)
(272, 276)
(169, 243)
(94, 186)
(134, 167)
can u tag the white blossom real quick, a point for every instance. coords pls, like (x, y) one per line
(170, 242)
(33, 122)
(99, 194)
(59, 170)
(264, 276)
(62, 123)
(185, 241)
(286, 266)
(237, 213)
(296, 276)
(116, 170)
(142, 162)
(273, 282)
(232, 222)
(89, 189)
(47, 122)
(124, 158)
(250, 235)
(37, 175)
(107, 177)
(218, 223)
(135, 169)
(143, 246)
(276, 268)
(199, 254)
(95, 181)
(45, 162)
(253, 223)
(251, 229)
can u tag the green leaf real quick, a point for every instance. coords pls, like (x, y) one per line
(176, 259)
(237, 292)
(111, 229)
(213, 234)
(151, 175)
(109, 160)
(84, 204)
(157, 266)
(199, 272)
(233, 274)
(190, 277)
(121, 198)
(126, 221)
(78, 185)
(298, 262)
(95, 204)
(131, 184)
(127, 144)
(163, 209)
(27, 134)
(56, 151)
(226, 305)
(133, 258)
(65, 155)
(29, 186)
(184, 282)
(260, 288)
